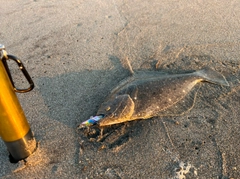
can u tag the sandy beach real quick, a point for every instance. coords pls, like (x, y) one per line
(77, 51)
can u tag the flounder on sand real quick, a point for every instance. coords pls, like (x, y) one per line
(144, 96)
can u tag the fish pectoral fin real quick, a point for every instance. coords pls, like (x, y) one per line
(126, 107)
(121, 110)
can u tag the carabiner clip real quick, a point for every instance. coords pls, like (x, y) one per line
(6, 57)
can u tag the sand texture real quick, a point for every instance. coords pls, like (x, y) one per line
(77, 51)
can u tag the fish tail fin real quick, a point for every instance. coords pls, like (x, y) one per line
(212, 76)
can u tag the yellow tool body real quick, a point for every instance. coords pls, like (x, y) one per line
(14, 127)
(13, 123)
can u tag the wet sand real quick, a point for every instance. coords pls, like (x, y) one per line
(77, 51)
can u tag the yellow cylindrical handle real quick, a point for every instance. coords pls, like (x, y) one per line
(13, 123)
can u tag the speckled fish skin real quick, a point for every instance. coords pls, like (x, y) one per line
(144, 96)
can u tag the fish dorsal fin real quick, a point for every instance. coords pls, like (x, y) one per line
(127, 65)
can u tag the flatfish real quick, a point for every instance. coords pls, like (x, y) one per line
(143, 96)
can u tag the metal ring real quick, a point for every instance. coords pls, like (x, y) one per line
(24, 71)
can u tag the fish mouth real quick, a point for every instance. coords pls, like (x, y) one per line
(92, 121)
